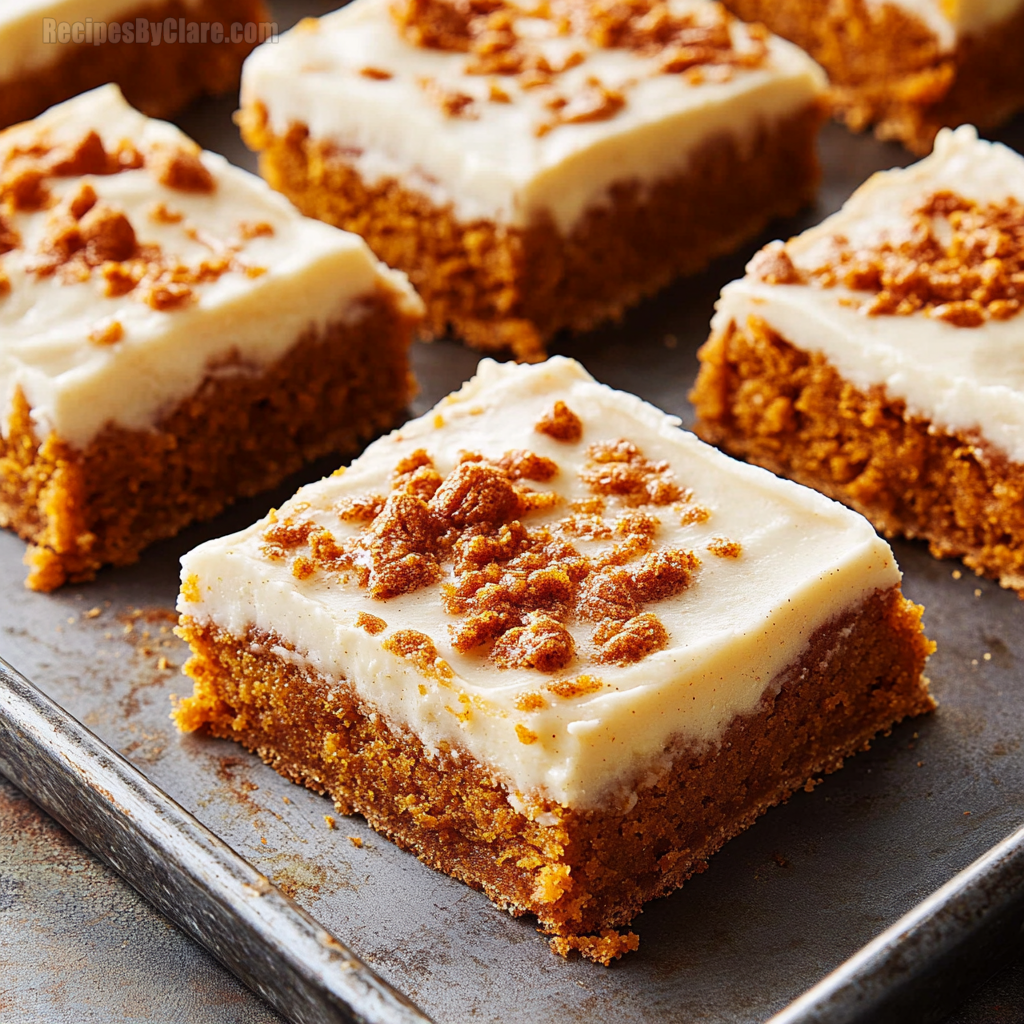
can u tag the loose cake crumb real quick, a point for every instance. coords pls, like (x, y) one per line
(329, 818)
(356, 841)
(603, 949)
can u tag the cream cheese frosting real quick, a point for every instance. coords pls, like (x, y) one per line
(798, 560)
(959, 378)
(492, 164)
(24, 45)
(294, 275)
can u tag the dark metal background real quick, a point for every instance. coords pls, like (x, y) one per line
(780, 907)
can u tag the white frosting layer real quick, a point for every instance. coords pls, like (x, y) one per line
(959, 378)
(743, 621)
(315, 275)
(24, 46)
(951, 19)
(494, 166)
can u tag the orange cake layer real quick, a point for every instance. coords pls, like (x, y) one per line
(889, 69)
(583, 874)
(503, 288)
(240, 433)
(760, 398)
(158, 79)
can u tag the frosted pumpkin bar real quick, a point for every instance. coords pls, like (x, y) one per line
(879, 357)
(162, 53)
(534, 167)
(908, 67)
(173, 335)
(553, 644)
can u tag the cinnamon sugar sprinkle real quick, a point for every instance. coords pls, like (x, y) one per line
(86, 237)
(513, 589)
(698, 45)
(960, 262)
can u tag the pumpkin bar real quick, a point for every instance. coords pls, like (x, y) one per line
(908, 67)
(541, 166)
(554, 645)
(173, 335)
(879, 357)
(163, 53)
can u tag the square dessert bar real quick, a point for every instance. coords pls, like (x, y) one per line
(163, 53)
(536, 167)
(557, 647)
(173, 335)
(879, 357)
(908, 66)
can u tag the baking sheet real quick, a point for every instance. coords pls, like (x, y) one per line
(779, 907)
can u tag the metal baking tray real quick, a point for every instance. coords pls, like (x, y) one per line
(200, 825)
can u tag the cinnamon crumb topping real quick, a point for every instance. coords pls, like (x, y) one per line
(161, 213)
(773, 266)
(5, 284)
(371, 623)
(87, 156)
(619, 468)
(597, 102)
(543, 644)
(695, 515)
(625, 643)
(248, 230)
(181, 168)
(561, 423)
(530, 702)
(22, 186)
(420, 650)
(9, 238)
(109, 333)
(725, 548)
(514, 589)
(699, 44)
(450, 102)
(579, 686)
(960, 262)
(525, 735)
(378, 74)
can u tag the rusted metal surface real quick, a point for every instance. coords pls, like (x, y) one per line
(780, 906)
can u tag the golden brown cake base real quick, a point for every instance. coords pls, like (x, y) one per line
(887, 69)
(790, 411)
(511, 289)
(590, 873)
(240, 433)
(158, 80)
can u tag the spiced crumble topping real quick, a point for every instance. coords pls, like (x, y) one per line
(514, 589)
(561, 423)
(697, 44)
(961, 262)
